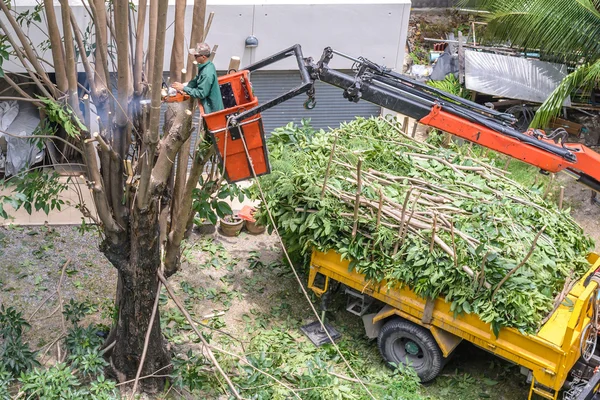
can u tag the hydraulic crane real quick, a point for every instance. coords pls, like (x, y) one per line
(463, 118)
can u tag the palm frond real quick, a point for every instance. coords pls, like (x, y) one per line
(567, 29)
(586, 77)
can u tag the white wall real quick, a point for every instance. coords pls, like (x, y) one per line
(376, 30)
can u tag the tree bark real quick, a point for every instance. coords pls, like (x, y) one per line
(138, 60)
(58, 54)
(138, 292)
(177, 49)
(152, 32)
(197, 34)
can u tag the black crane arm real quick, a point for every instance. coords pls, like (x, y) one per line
(469, 120)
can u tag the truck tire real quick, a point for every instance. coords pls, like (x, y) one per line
(401, 341)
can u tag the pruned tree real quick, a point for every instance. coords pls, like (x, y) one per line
(142, 212)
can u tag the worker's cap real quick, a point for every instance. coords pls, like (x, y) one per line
(201, 49)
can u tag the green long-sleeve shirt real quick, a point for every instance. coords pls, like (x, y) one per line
(205, 87)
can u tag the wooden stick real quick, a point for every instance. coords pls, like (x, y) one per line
(482, 278)
(146, 341)
(561, 197)
(60, 304)
(433, 232)
(357, 200)
(453, 243)
(507, 164)
(547, 191)
(512, 271)
(414, 129)
(328, 166)
(401, 230)
(202, 339)
(405, 125)
(379, 209)
(234, 63)
(208, 25)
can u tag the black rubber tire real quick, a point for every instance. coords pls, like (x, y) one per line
(396, 340)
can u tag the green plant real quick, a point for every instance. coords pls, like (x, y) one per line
(74, 311)
(192, 371)
(33, 190)
(451, 85)
(5, 379)
(80, 339)
(15, 355)
(103, 389)
(56, 382)
(88, 361)
(12, 323)
(208, 200)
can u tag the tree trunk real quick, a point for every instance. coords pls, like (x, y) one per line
(138, 292)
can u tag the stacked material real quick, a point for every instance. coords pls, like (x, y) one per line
(408, 213)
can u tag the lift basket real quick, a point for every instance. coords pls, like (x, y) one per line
(238, 97)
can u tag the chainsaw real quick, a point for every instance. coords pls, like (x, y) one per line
(172, 95)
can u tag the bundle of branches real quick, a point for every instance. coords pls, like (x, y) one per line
(408, 213)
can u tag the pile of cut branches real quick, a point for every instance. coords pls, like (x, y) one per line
(441, 222)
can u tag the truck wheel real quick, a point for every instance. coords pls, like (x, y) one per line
(401, 341)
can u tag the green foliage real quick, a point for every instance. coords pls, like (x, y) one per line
(564, 28)
(5, 380)
(12, 322)
(492, 217)
(15, 355)
(316, 373)
(56, 382)
(81, 339)
(63, 116)
(192, 371)
(451, 85)
(4, 53)
(208, 200)
(34, 190)
(88, 361)
(585, 77)
(103, 389)
(74, 311)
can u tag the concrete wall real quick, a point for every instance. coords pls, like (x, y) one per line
(373, 29)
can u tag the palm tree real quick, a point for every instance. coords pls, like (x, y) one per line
(563, 30)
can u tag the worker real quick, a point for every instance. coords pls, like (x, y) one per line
(205, 86)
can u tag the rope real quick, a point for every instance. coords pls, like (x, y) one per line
(262, 195)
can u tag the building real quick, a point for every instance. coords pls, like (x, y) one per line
(373, 29)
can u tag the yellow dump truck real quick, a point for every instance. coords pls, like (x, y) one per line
(423, 333)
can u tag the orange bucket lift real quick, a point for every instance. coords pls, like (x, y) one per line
(229, 139)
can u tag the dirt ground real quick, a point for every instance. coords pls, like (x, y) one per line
(237, 286)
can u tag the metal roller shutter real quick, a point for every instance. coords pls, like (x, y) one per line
(331, 109)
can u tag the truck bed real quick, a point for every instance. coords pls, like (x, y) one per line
(550, 354)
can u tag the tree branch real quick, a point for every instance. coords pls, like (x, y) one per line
(98, 192)
(178, 227)
(58, 53)
(170, 146)
(84, 58)
(138, 61)
(70, 62)
(32, 57)
(157, 66)
(512, 271)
